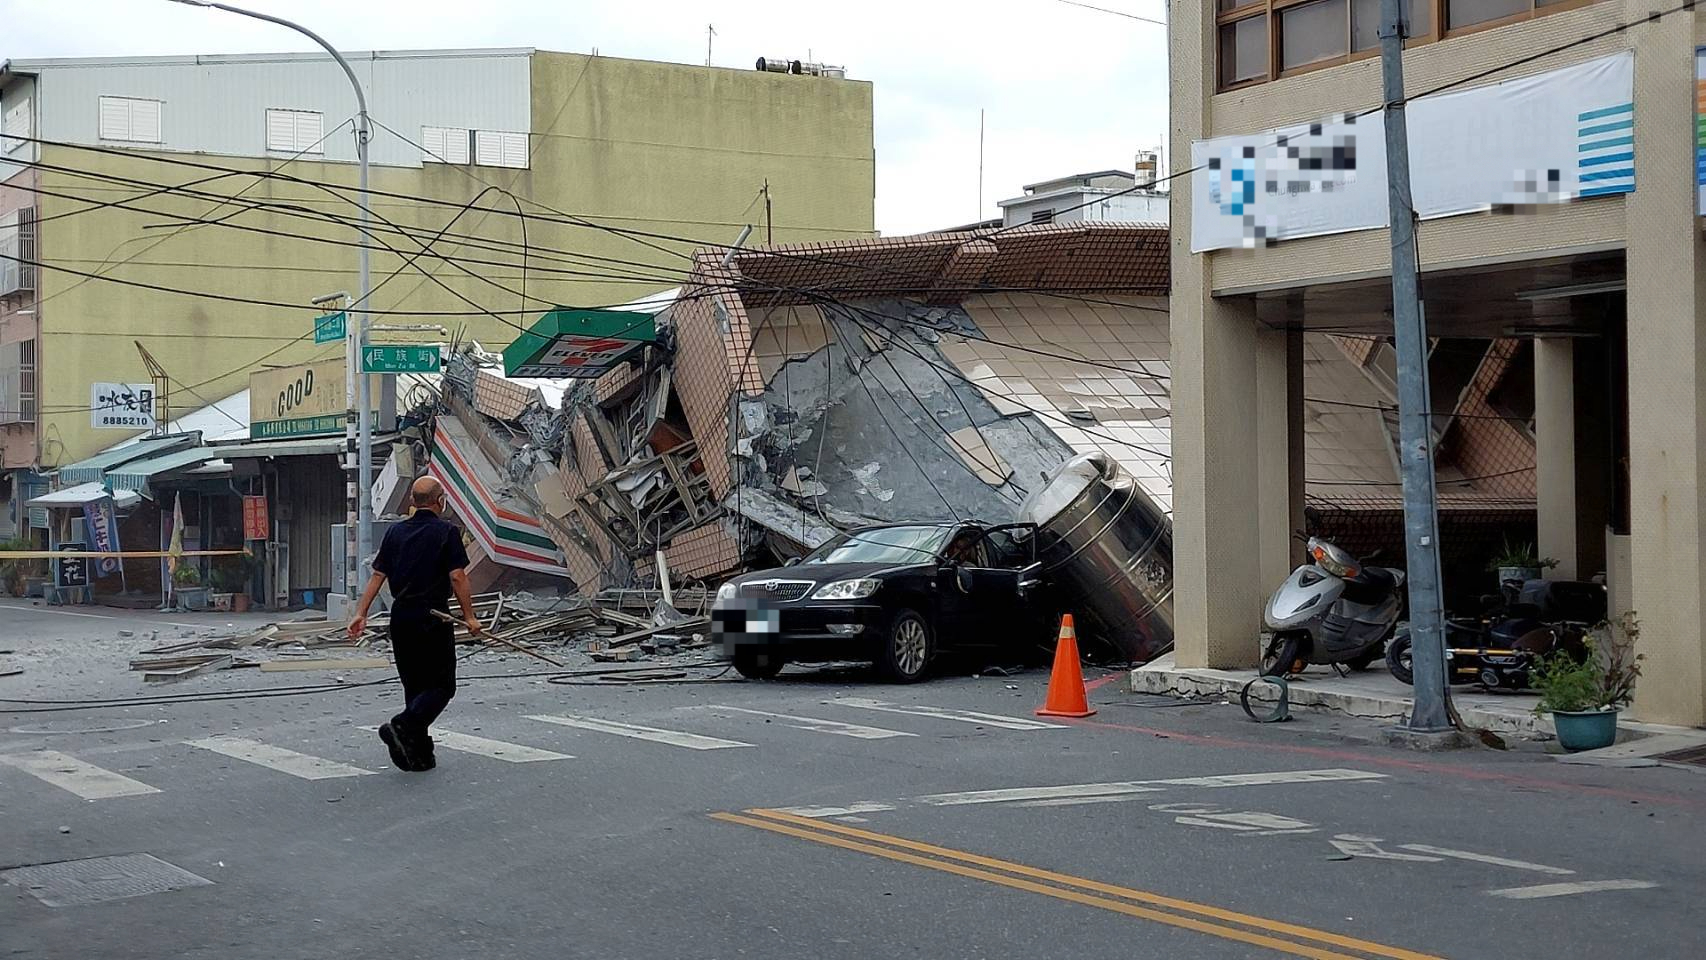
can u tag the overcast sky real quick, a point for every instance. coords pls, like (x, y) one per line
(1066, 89)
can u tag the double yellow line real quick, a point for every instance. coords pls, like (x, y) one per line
(1275, 935)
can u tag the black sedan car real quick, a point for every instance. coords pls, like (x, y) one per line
(896, 595)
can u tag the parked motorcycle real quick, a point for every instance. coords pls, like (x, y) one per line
(1499, 648)
(1331, 610)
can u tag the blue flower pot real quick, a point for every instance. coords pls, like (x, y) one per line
(1587, 730)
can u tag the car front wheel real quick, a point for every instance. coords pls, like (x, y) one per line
(909, 648)
(758, 664)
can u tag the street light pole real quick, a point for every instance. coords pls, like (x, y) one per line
(1415, 409)
(358, 389)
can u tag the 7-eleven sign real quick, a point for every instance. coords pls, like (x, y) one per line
(578, 343)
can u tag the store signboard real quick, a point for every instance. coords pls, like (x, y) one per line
(578, 344)
(1549, 138)
(301, 401)
(121, 406)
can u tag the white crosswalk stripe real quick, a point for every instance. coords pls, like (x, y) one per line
(941, 713)
(674, 738)
(495, 749)
(277, 758)
(69, 773)
(820, 725)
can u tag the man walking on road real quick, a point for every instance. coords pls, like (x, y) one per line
(424, 559)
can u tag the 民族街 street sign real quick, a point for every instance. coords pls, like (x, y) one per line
(400, 359)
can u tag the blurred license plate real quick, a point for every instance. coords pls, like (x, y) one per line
(763, 621)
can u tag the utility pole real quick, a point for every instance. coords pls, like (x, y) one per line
(358, 430)
(710, 34)
(1415, 408)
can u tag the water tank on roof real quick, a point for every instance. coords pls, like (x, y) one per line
(1108, 550)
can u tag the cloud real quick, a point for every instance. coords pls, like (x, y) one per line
(1065, 90)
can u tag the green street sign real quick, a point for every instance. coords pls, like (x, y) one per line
(400, 358)
(578, 343)
(330, 327)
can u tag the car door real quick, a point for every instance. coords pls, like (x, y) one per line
(1002, 560)
(959, 622)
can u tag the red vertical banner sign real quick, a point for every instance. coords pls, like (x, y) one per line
(255, 520)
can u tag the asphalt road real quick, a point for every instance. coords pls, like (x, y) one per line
(825, 816)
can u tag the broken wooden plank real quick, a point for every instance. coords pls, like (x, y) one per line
(174, 674)
(683, 627)
(345, 663)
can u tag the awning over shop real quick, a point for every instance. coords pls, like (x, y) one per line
(84, 493)
(96, 467)
(141, 474)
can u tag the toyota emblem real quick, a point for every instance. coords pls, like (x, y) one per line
(771, 586)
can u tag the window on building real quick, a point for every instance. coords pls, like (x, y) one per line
(130, 120)
(1045, 215)
(1308, 34)
(18, 251)
(496, 148)
(296, 131)
(15, 125)
(18, 382)
(445, 144)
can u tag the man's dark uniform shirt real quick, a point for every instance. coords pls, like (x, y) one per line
(417, 558)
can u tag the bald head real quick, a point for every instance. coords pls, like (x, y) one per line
(427, 494)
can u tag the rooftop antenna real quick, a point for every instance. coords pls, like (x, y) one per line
(979, 166)
(710, 32)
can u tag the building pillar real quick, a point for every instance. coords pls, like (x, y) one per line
(1279, 452)
(1217, 350)
(1666, 295)
(1555, 453)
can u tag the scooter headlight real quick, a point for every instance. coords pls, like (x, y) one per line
(1333, 560)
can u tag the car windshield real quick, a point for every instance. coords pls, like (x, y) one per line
(885, 545)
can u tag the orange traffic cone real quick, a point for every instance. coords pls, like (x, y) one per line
(1066, 696)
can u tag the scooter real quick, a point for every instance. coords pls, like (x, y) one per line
(1500, 648)
(1332, 610)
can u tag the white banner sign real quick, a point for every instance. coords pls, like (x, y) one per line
(1549, 138)
(121, 406)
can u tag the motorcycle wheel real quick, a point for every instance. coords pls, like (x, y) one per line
(1363, 660)
(1398, 659)
(1283, 657)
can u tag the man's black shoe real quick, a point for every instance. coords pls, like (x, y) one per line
(399, 754)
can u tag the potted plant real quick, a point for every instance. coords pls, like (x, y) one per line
(186, 583)
(12, 572)
(1519, 563)
(1584, 694)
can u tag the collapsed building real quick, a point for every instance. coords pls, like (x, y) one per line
(796, 392)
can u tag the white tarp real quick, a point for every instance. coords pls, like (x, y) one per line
(1547, 138)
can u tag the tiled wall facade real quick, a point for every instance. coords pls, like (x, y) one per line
(703, 552)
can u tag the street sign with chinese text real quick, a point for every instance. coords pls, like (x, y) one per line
(330, 327)
(400, 358)
(579, 344)
(121, 406)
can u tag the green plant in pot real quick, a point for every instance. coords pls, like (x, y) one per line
(12, 572)
(186, 576)
(1519, 563)
(1584, 694)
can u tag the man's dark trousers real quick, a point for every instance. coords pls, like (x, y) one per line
(426, 663)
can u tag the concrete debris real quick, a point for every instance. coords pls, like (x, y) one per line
(867, 477)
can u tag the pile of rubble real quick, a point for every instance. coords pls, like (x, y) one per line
(615, 625)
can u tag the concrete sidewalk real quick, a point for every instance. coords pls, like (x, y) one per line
(1371, 694)
(1377, 695)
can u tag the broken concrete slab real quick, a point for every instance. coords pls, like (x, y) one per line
(781, 518)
